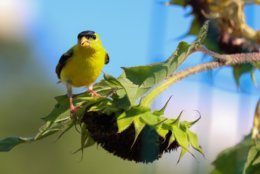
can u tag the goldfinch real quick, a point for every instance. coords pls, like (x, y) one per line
(82, 64)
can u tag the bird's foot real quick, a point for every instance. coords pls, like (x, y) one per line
(93, 93)
(74, 109)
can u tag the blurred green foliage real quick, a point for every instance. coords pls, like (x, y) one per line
(244, 158)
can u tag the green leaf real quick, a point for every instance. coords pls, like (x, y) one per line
(183, 151)
(9, 143)
(181, 137)
(147, 76)
(232, 160)
(129, 88)
(171, 140)
(189, 124)
(112, 81)
(103, 105)
(88, 143)
(48, 129)
(124, 122)
(150, 118)
(202, 34)
(104, 88)
(86, 139)
(179, 2)
(139, 125)
(162, 110)
(65, 129)
(193, 139)
(139, 80)
(126, 118)
(253, 160)
(239, 70)
(60, 110)
(177, 120)
(195, 27)
(162, 132)
(84, 136)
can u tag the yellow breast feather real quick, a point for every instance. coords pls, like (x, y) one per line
(84, 67)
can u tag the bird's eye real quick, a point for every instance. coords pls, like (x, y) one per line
(91, 37)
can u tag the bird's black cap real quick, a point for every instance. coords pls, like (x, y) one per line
(87, 34)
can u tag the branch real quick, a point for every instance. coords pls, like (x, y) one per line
(226, 60)
(239, 58)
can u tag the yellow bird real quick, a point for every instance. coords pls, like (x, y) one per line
(82, 64)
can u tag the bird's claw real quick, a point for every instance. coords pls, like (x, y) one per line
(74, 109)
(94, 93)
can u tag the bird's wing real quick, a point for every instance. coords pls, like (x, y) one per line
(63, 60)
(107, 58)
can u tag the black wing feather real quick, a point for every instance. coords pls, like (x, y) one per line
(63, 60)
(107, 59)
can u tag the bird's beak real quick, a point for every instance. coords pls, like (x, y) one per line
(84, 42)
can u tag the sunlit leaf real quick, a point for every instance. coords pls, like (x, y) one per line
(124, 122)
(177, 120)
(172, 139)
(193, 139)
(150, 118)
(139, 125)
(162, 132)
(126, 118)
(140, 79)
(181, 137)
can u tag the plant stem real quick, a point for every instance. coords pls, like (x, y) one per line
(239, 58)
(225, 60)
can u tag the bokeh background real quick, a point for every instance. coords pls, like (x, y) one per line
(33, 35)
